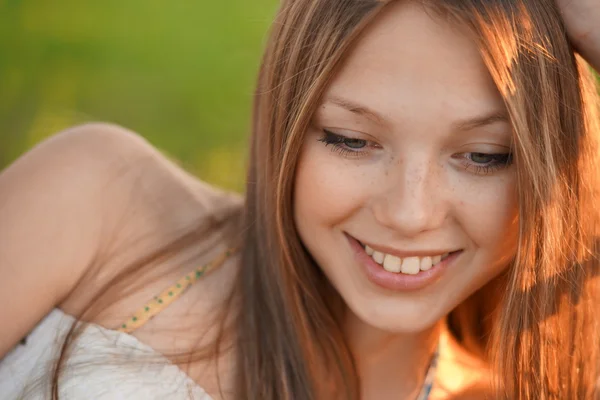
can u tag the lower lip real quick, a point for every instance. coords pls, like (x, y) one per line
(399, 281)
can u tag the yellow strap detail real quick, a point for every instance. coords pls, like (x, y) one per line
(160, 302)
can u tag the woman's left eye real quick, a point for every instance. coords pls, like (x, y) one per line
(485, 163)
(347, 146)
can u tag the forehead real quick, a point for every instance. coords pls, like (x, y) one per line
(411, 60)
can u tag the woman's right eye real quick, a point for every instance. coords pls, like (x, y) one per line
(346, 146)
(355, 143)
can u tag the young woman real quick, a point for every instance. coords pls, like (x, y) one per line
(419, 223)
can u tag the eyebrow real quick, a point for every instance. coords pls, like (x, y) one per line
(478, 122)
(460, 125)
(356, 109)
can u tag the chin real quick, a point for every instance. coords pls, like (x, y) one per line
(392, 315)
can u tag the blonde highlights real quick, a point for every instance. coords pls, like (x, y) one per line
(546, 339)
(543, 341)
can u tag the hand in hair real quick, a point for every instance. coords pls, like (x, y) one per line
(582, 20)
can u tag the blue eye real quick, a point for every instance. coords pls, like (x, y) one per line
(354, 143)
(483, 158)
(484, 163)
(479, 163)
(346, 146)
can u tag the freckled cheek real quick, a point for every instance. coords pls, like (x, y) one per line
(329, 188)
(489, 215)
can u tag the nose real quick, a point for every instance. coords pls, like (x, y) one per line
(412, 199)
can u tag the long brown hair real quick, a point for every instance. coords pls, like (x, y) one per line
(543, 339)
(545, 336)
(545, 344)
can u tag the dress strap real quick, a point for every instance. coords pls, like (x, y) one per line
(430, 376)
(169, 295)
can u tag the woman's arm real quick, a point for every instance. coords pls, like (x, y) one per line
(54, 208)
(582, 20)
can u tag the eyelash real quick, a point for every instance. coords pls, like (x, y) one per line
(339, 145)
(500, 161)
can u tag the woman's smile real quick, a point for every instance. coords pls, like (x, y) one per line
(420, 170)
(422, 186)
(402, 270)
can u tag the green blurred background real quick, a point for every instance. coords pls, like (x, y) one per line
(181, 73)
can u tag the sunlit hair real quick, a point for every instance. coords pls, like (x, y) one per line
(543, 339)
(536, 325)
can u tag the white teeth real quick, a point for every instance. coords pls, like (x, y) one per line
(426, 263)
(410, 265)
(378, 257)
(392, 263)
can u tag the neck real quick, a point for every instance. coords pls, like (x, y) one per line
(390, 365)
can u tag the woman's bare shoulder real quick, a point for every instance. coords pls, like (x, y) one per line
(90, 188)
(52, 212)
(135, 182)
(149, 199)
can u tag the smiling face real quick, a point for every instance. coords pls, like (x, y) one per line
(409, 153)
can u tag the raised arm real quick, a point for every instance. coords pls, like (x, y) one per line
(582, 19)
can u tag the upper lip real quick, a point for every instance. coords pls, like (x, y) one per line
(407, 253)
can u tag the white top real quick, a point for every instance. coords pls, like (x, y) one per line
(103, 364)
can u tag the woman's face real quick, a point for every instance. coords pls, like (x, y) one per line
(409, 153)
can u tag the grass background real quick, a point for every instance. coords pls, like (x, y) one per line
(181, 73)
